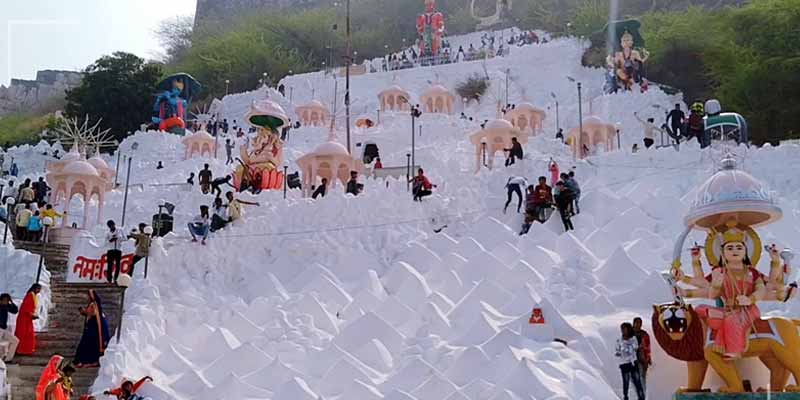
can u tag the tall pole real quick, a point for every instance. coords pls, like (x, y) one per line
(116, 174)
(125, 197)
(119, 313)
(558, 126)
(580, 121)
(408, 171)
(413, 134)
(508, 70)
(41, 256)
(285, 180)
(347, 77)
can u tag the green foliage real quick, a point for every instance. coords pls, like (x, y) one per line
(473, 88)
(589, 17)
(746, 57)
(117, 88)
(18, 129)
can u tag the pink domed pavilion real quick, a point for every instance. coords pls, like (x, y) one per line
(497, 136)
(394, 98)
(437, 99)
(526, 117)
(329, 160)
(596, 132)
(200, 143)
(313, 114)
(78, 177)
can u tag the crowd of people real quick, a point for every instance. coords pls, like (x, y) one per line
(26, 208)
(541, 199)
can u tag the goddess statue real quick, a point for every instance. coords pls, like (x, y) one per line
(737, 286)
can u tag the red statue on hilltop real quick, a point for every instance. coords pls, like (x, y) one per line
(430, 28)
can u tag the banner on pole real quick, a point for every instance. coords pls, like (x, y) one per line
(88, 263)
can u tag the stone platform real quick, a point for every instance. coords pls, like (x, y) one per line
(738, 396)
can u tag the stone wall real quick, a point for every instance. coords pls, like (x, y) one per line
(26, 95)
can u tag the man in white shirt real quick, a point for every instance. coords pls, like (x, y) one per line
(650, 129)
(515, 184)
(114, 239)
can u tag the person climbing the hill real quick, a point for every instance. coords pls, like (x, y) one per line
(127, 390)
(96, 334)
(219, 218)
(142, 241)
(26, 193)
(635, 148)
(650, 129)
(35, 227)
(378, 163)
(676, 119)
(10, 191)
(56, 380)
(564, 204)
(218, 182)
(514, 153)
(23, 218)
(526, 225)
(40, 190)
(235, 207)
(114, 239)
(626, 349)
(552, 167)
(572, 184)
(542, 199)
(514, 185)
(200, 225)
(50, 212)
(28, 312)
(229, 151)
(560, 135)
(190, 180)
(7, 306)
(160, 165)
(205, 177)
(421, 186)
(643, 356)
(353, 187)
(695, 127)
(321, 189)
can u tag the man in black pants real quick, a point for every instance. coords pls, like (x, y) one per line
(515, 185)
(515, 152)
(675, 118)
(564, 200)
(114, 239)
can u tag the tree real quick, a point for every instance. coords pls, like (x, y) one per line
(117, 88)
(175, 36)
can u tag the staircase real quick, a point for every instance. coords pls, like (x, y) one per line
(65, 324)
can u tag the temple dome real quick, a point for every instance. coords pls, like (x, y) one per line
(80, 168)
(732, 193)
(331, 148)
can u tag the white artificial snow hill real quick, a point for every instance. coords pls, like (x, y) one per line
(359, 298)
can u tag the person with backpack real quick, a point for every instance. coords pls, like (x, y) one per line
(626, 351)
(514, 186)
(421, 186)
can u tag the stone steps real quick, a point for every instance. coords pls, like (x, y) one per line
(65, 325)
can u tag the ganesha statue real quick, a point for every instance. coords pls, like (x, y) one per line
(627, 63)
(262, 158)
(729, 206)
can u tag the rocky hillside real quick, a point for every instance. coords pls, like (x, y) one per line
(23, 96)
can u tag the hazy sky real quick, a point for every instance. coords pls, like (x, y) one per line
(71, 34)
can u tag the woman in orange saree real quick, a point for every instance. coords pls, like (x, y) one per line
(27, 314)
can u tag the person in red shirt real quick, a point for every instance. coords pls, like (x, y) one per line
(421, 186)
(127, 389)
(542, 198)
(644, 357)
(378, 163)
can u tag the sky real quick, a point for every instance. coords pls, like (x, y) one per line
(71, 34)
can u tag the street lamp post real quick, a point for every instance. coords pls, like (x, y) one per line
(47, 221)
(349, 50)
(285, 180)
(408, 171)
(558, 126)
(127, 182)
(9, 202)
(227, 83)
(579, 145)
(508, 71)
(123, 281)
(148, 230)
